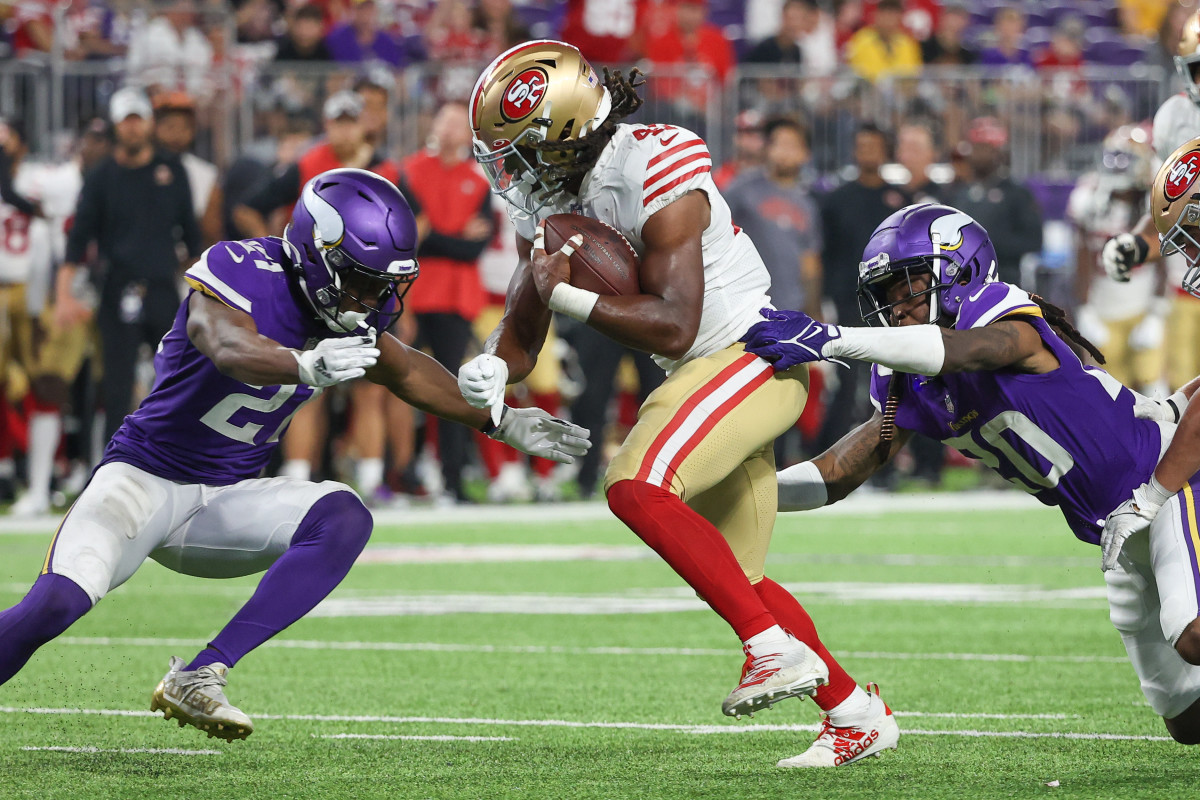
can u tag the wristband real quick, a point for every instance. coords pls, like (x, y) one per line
(576, 303)
(1157, 493)
(1178, 403)
(801, 488)
(1142, 247)
(489, 428)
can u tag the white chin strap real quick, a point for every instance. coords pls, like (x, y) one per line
(343, 321)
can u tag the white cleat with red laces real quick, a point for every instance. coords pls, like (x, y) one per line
(795, 671)
(836, 747)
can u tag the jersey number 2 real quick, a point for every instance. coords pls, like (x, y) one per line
(219, 415)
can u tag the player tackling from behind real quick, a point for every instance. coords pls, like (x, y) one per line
(266, 325)
(984, 367)
(695, 479)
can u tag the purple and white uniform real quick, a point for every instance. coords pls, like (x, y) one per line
(178, 482)
(1069, 437)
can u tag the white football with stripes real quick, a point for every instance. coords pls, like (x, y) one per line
(605, 263)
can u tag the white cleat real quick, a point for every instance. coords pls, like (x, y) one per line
(195, 698)
(795, 671)
(31, 505)
(837, 747)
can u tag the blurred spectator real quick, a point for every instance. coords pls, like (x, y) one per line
(917, 152)
(818, 40)
(452, 201)
(255, 20)
(748, 146)
(882, 49)
(88, 31)
(29, 25)
(450, 34)
(255, 166)
(172, 52)
(691, 40)
(497, 21)
(374, 117)
(1006, 209)
(137, 206)
(784, 46)
(304, 39)
(1065, 50)
(602, 29)
(946, 46)
(773, 206)
(175, 132)
(1007, 47)
(1144, 18)
(919, 18)
(849, 215)
(360, 38)
(1167, 47)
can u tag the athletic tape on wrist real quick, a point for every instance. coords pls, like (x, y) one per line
(801, 488)
(915, 349)
(576, 303)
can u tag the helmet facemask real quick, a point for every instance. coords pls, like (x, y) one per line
(1184, 238)
(880, 275)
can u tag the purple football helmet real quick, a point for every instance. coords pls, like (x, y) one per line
(926, 238)
(352, 228)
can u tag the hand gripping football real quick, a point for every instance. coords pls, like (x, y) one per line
(605, 263)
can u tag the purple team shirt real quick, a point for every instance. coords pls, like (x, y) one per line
(198, 425)
(1068, 437)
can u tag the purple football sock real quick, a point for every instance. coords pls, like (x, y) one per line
(330, 537)
(50, 607)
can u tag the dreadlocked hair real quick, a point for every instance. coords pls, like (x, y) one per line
(584, 150)
(1057, 319)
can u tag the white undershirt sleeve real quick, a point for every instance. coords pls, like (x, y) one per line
(915, 349)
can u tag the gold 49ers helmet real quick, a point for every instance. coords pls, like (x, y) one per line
(1175, 209)
(1188, 54)
(539, 91)
(1127, 161)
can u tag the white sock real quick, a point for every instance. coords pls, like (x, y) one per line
(7, 468)
(297, 468)
(45, 427)
(368, 474)
(767, 642)
(856, 710)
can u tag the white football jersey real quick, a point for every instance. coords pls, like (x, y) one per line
(1176, 121)
(641, 171)
(30, 246)
(1099, 216)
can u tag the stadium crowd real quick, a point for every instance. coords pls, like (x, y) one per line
(193, 125)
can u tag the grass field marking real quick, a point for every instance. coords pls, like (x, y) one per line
(501, 553)
(865, 504)
(165, 751)
(538, 649)
(411, 738)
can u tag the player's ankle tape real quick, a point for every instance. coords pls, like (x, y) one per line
(576, 303)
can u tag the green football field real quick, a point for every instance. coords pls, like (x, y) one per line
(545, 653)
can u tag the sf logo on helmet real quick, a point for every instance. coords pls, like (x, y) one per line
(523, 94)
(1182, 175)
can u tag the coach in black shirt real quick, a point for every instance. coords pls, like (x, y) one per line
(136, 206)
(849, 215)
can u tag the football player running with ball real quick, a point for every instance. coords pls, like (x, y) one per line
(983, 366)
(267, 324)
(695, 479)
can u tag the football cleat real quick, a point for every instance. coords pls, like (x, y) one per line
(836, 747)
(195, 698)
(796, 671)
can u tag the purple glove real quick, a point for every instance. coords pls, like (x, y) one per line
(788, 338)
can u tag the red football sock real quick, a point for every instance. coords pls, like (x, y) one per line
(794, 619)
(493, 454)
(695, 549)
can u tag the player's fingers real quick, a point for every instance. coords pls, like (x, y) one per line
(571, 245)
(539, 237)
(348, 374)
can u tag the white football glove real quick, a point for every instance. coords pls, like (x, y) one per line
(1169, 410)
(1122, 253)
(483, 381)
(1132, 516)
(534, 431)
(337, 360)
(1089, 325)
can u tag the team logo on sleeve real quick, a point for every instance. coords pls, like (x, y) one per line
(523, 94)
(1182, 175)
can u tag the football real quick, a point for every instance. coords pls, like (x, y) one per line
(605, 263)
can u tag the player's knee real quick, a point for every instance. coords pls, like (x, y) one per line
(1188, 644)
(625, 496)
(342, 515)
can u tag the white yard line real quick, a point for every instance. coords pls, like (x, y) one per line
(860, 504)
(166, 751)
(536, 649)
(650, 726)
(398, 737)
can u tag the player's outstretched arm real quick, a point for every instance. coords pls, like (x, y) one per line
(229, 337)
(424, 383)
(665, 317)
(838, 471)
(521, 333)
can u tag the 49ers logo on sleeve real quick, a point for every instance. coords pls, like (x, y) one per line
(1182, 175)
(523, 94)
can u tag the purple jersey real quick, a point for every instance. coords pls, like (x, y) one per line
(1069, 437)
(198, 425)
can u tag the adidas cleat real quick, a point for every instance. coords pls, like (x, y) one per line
(195, 698)
(797, 671)
(836, 747)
